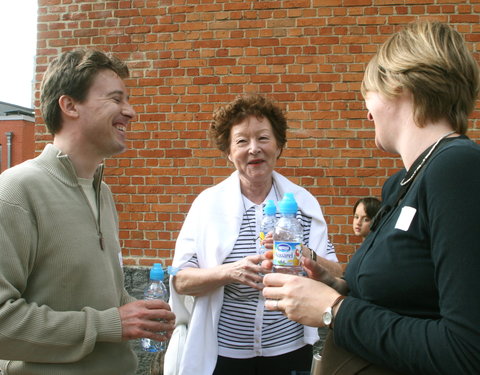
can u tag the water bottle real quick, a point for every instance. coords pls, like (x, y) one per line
(268, 222)
(156, 289)
(288, 238)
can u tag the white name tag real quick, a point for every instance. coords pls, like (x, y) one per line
(405, 218)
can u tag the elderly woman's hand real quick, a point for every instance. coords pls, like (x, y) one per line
(268, 241)
(301, 299)
(248, 271)
(314, 271)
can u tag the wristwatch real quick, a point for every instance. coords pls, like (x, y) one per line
(327, 316)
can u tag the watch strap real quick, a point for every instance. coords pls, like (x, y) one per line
(334, 304)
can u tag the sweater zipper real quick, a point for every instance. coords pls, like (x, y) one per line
(97, 223)
(97, 187)
(98, 182)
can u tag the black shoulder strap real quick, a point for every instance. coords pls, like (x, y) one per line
(385, 209)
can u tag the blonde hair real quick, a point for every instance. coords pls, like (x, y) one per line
(431, 60)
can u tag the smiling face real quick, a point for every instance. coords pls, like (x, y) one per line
(253, 150)
(105, 115)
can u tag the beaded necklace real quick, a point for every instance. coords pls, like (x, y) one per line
(405, 183)
(410, 178)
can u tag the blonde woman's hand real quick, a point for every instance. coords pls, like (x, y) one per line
(301, 299)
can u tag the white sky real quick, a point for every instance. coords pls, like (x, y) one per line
(18, 38)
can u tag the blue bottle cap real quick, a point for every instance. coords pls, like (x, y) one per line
(270, 208)
(156, 273)
(288, 205)
(172, 271)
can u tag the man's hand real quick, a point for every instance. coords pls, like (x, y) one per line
(145, 319)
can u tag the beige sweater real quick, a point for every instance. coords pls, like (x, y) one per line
(60, 276)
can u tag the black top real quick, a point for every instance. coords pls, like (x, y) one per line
(414, 303)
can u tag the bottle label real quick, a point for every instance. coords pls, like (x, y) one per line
(286, 253)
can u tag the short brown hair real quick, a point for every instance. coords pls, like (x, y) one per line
(72, 74)
(224, 118)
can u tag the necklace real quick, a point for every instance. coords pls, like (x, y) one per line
(404, 182)
(251, 230)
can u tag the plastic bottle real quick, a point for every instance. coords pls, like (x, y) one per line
(268, 222)
(288, 238)
(156, 289)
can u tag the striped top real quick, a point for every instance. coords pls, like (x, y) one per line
(246, 329)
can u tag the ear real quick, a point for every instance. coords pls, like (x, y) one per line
(278, 152)
(68, 106)
(229, 157)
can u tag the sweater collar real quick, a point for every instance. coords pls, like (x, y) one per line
(61, 167)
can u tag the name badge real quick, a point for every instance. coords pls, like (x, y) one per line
(405, 218)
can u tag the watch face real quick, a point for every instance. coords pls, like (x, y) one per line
(327, 317)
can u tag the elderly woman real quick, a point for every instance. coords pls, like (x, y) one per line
(413, 305)
(230, 332)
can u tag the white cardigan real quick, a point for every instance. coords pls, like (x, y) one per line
(210, 231)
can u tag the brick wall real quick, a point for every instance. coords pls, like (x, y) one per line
(188, 57)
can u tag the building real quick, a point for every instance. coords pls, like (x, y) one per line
(17, 134)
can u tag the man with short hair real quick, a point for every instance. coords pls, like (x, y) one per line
(63, 306)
